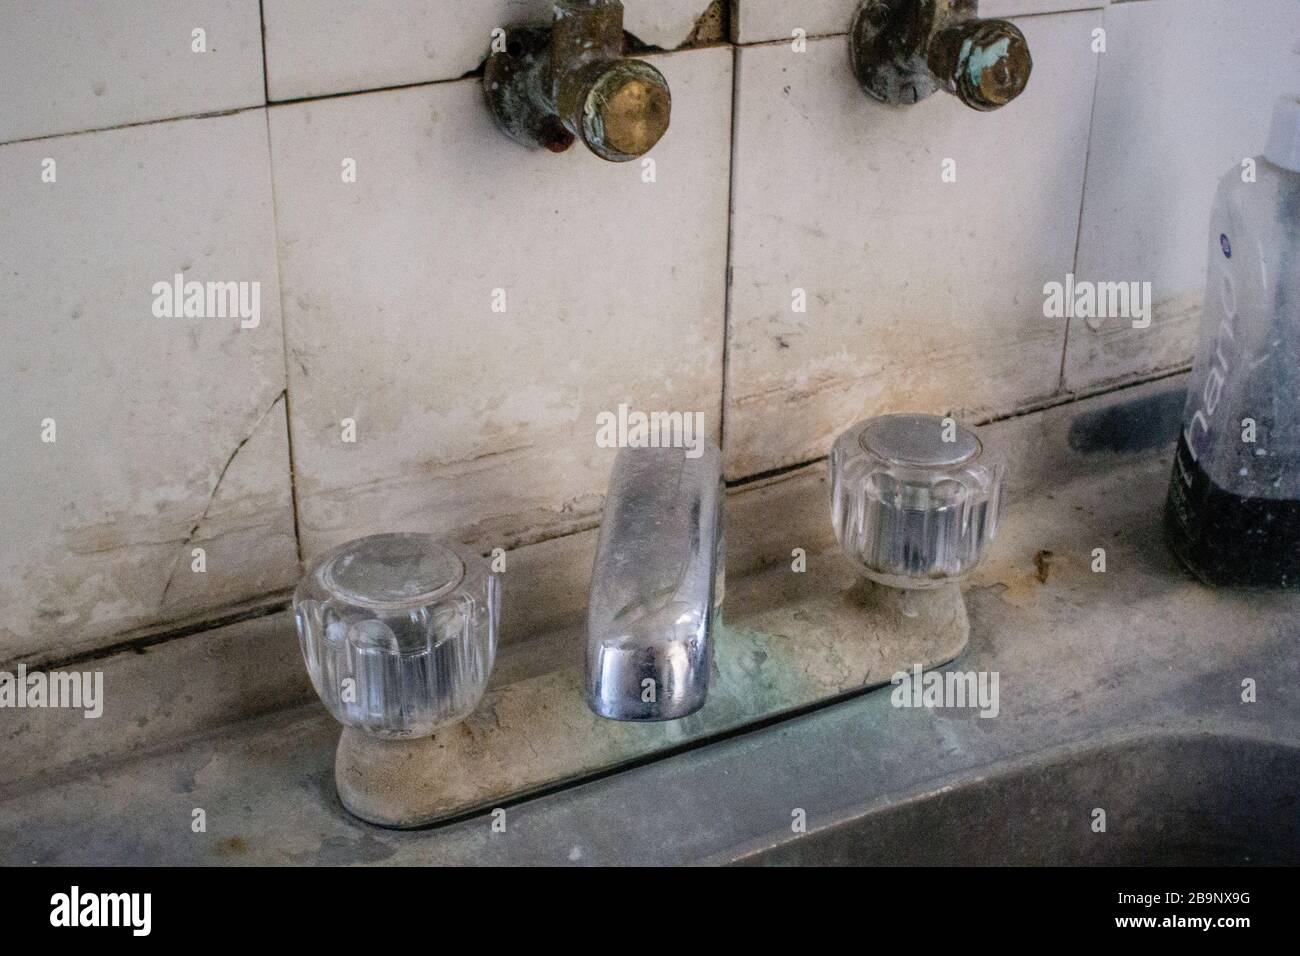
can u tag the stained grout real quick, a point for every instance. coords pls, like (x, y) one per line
(233, 111)
(284, 351)
(729, 274)
(262, 606)
(266, 78)
(1056, 400)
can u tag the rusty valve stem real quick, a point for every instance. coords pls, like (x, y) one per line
(904, 50)
(573, 80)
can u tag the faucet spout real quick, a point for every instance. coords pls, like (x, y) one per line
(657, 586)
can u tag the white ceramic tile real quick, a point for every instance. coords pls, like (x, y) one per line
(72, 65)
(316, 47)
(468, 420)
(921, 294)
(170, 433)
(757, 21)
(1185, 93)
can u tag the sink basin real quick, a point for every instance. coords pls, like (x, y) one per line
(1169, 799)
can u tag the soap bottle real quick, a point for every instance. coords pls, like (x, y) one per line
(1232, 515)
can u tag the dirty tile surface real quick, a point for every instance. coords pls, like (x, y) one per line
(471, 420)
(920, 294)
(74, 65)
(317, 47)
(169, 433)
(1163, 136)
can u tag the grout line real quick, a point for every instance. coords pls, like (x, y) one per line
(266, 79)
(729, 267)
(475, 73)
(783, 41)
(235, 111)
(341, 94)
(1083, 195)
(1092, 391)
(1052, 401)
(778, 472)
(275, 603)
(1084, 7)
(284, 348)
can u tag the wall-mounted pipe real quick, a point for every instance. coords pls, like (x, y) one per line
(904, 50)
(573, 80)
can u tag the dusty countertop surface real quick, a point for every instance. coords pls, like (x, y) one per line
(1081, 656)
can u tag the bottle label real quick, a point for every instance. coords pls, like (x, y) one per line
(1221, 310)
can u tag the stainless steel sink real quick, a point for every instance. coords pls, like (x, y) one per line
(1168, 800)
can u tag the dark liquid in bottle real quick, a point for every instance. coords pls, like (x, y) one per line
(1225, 539)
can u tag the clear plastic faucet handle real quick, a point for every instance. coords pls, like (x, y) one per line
(398, 632)
(912, 499)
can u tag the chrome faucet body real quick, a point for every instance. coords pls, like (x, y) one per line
(657, 586)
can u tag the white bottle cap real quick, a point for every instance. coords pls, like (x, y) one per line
(1283, 147)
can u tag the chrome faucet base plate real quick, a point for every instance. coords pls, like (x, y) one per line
(788, 641)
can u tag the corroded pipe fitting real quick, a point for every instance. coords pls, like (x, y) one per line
(573, 81)
(904, 50)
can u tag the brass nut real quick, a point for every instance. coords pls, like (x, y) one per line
(627, 111)
(993, 65)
